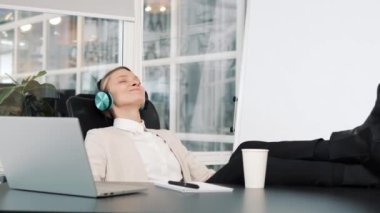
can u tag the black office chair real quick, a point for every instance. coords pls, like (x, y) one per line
(82, 106)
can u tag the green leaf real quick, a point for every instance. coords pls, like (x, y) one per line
(31, 80)
(44, 91)
(28, 97)
(24, 81)
(6, 92)
(27, 79)
(30, 86)
(39, 74)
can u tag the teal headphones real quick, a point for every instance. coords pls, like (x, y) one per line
(103, 99)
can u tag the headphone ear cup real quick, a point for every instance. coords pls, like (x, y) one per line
(103, 101)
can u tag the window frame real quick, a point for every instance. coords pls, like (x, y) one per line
(176, 59)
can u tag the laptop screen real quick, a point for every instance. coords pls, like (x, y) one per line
(45, 154)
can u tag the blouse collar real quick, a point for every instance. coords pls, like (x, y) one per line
(129, 125)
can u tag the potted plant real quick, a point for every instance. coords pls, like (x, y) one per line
(28, 97)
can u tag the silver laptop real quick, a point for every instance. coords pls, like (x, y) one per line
(48, 155)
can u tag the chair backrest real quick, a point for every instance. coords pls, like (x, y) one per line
(82, 106)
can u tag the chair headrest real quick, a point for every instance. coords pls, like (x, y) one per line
(82, 106)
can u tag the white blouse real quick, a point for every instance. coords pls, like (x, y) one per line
(160, 162)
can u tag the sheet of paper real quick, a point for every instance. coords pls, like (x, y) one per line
(203, 187)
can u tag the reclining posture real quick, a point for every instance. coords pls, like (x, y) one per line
(128, 151)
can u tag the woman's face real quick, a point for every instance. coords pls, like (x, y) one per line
(126, 89)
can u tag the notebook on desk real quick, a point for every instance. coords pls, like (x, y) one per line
(203, 187)
(48, 155)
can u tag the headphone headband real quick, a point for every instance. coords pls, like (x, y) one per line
(98, 84)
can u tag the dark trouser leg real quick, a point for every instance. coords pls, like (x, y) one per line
(299, 172)
(284, 172)
(284, 149)
(374, 163)
(351, 149)
(231, 173)
(355, 148)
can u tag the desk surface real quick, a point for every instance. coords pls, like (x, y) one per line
(271, 199)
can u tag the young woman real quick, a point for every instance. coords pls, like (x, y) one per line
(128, 151)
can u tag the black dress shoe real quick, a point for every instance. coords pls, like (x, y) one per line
(354, 148)
(372, 120)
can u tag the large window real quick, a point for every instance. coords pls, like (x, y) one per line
(29, 48)
(6, 51)
(190, 68)
(69, 48)
(101, 41)
(207, 26)
(190, 60)
(62, 42)
(6, 16)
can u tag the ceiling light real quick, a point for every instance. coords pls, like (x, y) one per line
(55, 21)
(26, 27)
(148, 8)
(162, 9)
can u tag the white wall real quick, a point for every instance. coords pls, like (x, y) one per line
(310, 67)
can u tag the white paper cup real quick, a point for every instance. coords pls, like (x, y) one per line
(255, 166)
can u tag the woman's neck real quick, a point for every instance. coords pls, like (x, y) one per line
(128, 114)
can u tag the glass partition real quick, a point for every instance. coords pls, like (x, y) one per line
(65, 46)
(205, 91)
(207, 26)
(157, 29)
(157, 84)
(90, 78)
(6, 51)
(27, 14)
(190, 58)
(6, 16)
(62, 42)
(29, 48)
(63, 81)
(101, 41)
(209, 146)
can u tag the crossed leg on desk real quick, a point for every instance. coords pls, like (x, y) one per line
(299, 163)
